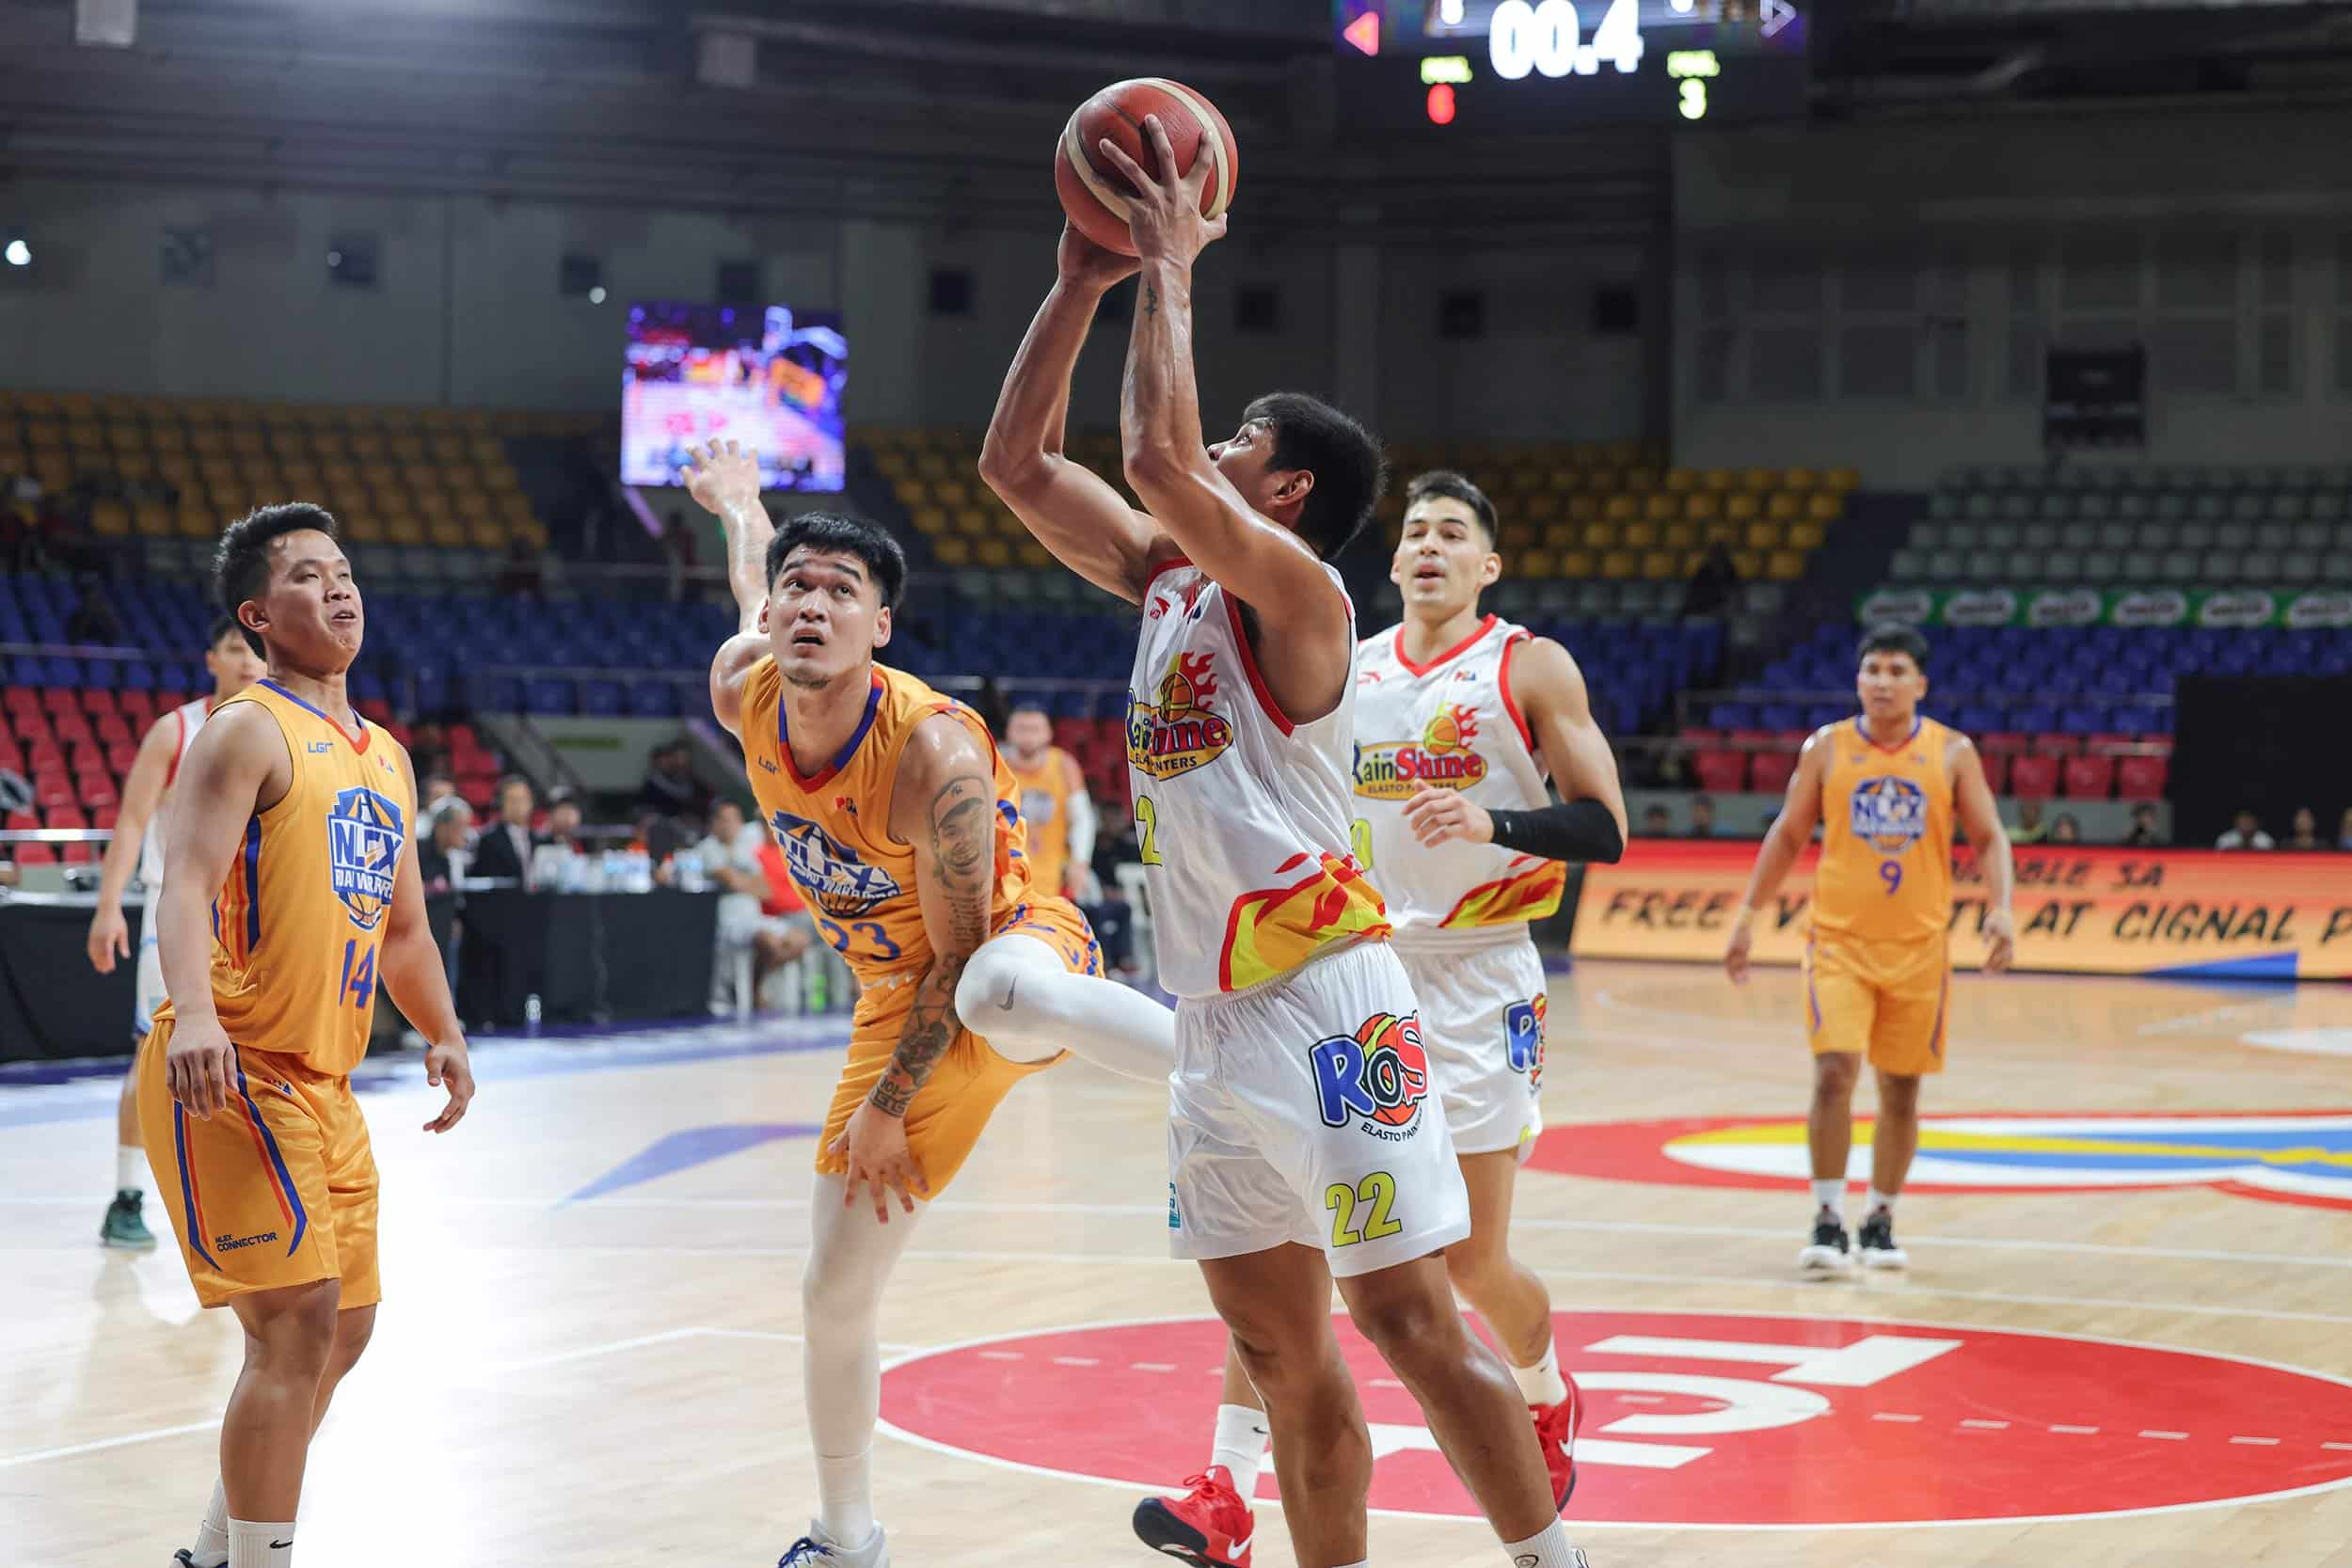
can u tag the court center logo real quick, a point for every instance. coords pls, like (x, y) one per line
(2284, 1157)
(1379, 1073)
(836, 877)
(1175, 731)
(1889, 815)
(364, 833)
(1442, 757)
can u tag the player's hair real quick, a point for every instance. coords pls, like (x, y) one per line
(839, 532)
(241, 562)
(1452, 486)
(1350, 473)
(222, 625)
(509, 781)
(1892, 637)
(1026, 704)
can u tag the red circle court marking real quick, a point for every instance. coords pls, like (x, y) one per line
(1696, 1419)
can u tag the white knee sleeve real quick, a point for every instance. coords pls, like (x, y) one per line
(1017, 994)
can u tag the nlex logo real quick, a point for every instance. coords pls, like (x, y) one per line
(1380, 1073)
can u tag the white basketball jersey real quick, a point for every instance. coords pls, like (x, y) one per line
(190, 718)
(1242, 816)
(1449, 724)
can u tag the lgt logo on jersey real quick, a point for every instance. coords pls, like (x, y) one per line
(1889, 815)
(364, 833)
(1380, 1073)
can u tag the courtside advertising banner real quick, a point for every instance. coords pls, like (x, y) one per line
(2079, 911)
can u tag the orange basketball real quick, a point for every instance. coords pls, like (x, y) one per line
(1095, 194)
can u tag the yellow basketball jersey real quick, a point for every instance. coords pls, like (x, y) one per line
(1886, 873)
(296, 925)
(834, 826)
(1044, 793)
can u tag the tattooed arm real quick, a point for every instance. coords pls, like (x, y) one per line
(945, 806)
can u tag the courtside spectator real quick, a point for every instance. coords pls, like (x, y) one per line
(2247, 835)
(2030, 828)
(2143, 835)
(1702, 817)
(1658, 822)
(2066, 829)
(670, 788)
(2305, 833)
(2343, 829)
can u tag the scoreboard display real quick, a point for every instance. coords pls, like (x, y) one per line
(1463, 66)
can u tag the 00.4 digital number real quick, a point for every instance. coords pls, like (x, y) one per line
(1549, 38)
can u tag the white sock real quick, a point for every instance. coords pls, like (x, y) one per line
(1877, 1201)
(131, 1173)
(1542, 1384)
(253, 1544)
(1240, 1445)
(1360, 1562)
(845, 1497)
(1017, 995)
(1829, 1193)
(212, 1537)
(1548, 1550)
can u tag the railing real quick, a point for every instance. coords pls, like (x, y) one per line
(1686, 701)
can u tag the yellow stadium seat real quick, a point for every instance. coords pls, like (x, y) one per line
(151, 519)
(432, 503)
(1701, 505)
(175, 467)
(1786, 506)
(953, 492)
(1576, 564)
(1560, 536)
(301, 479)
(53, 470)
(1720, 533)
(931, 465)
(446, 531)
(1620, 508)
(972, 522)
(167, 437)
(1761, 537)
(1747, 563)
(1585, 508)
(1641, 536)
(404, 529)
(534, 532)
(247, 441)
(1680, 479)
(1800, 479)
(134, 465)
(448, 448)
(1758, 479)
(1539, 563)
(952, 551)
(1826, 506)
(123, 436)
(1785, 565)
(1659, 565)
(110, 520)
(45, 437)
(1563, 480)
(1721, 479)
(1842, 479)
(1604, 480)
(1541, 508)
(1640, 478)
(1691, 560)
(1619, 564)
(892, 464)
(195, 520)
(1660, 506)
(1744, 506)
(1516, 536)
(1603, 536)
(993, 552)
(1032, 554)
(1806, 536)
(1680, 536)
(931, 520)
(485, 533)
(76, 405)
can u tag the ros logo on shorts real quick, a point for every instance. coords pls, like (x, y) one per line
(1380, 1072)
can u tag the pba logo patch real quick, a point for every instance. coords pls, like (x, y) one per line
(1175, 731)
(1888, 815)
(2284, 1157)
(1441, 758)
(833, 876)
(1380, 1073)
(364, 833)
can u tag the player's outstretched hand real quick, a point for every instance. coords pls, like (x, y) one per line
(2000, 941)
(1736, 952)
(197, 1066)
(448, 1064)
(1083, 261)
(719, 474)
(109, 938)
(875, 1143)
(1163, 216)
(1442, 816)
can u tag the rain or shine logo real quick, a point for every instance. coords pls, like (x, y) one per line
(1442, 757)
(1175, 732)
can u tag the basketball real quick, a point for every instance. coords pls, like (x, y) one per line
(1095, 194)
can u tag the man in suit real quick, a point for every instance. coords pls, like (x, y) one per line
(505, 846)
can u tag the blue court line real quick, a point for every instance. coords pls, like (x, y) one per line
(688, 1148)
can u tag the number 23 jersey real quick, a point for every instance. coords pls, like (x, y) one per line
(1886, 873)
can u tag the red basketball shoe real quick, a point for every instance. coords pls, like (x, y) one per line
(1209, 1526)
(1555, 1430)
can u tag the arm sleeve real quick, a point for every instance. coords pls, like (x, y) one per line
(1567, 830)
(1082, 824)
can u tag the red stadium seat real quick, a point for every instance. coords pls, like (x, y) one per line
(74, 854)
(97, 791)
(45, 755)
(97, 701)
(2141, 777)
(29, 724)
(139, 710)
(2112, 745)
(167, 701)
(68, 816)
(72, 726)
(12, 755)
(105, 817)
(1791, 741)
(1769, 775)
(86, 757)
(112, 727)
(2001, 743)
(377, 710)
(2057, 745)
(1699, 735)
(1755, 740)
(36, 854)
(61, 699)
(23, 822)
(2090, 778)
(21, 699)
(1995, 770)
(2033, 778)
(1721, 772)
(121, 756)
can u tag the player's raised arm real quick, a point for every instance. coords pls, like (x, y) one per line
(237, 767)
(1587, 823)
(411, 968)
(142, 791)
(1791, 831)
(1086, 525)
(724, 479)
(944, 803)
(1980, 818)
(1168, 462)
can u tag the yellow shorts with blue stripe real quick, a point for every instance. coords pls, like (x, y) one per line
(1884, 1000)
(277, 1189)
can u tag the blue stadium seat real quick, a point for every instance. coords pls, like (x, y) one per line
(548, 694)
(600, 698)
(653, 699)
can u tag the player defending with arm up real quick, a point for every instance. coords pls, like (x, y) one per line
(1298, 1149)
(1886, 787)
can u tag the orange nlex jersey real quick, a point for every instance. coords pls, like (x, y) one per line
(1886, 873)
(1044, 797)
(296, 925)
(834, 826)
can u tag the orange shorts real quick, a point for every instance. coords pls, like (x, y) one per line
(278, 1189)
(1885, 1000)
(955, 1102)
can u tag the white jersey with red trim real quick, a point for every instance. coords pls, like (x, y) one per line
(1450, 723)
(1241, 816)
(189, 718)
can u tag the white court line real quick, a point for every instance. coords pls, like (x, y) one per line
(2168, 1436)
(1986, 1426)
(2084, 1431)
(2257, 1442)
(151, 1434)
(1891, 1416)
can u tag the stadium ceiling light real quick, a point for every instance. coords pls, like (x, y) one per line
(596, 295)
(19, 254)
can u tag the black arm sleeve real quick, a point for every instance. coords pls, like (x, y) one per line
(1571, 830)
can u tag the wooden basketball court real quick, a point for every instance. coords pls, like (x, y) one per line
(587, 1353)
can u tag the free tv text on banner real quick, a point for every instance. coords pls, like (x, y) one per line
(2081, 911)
